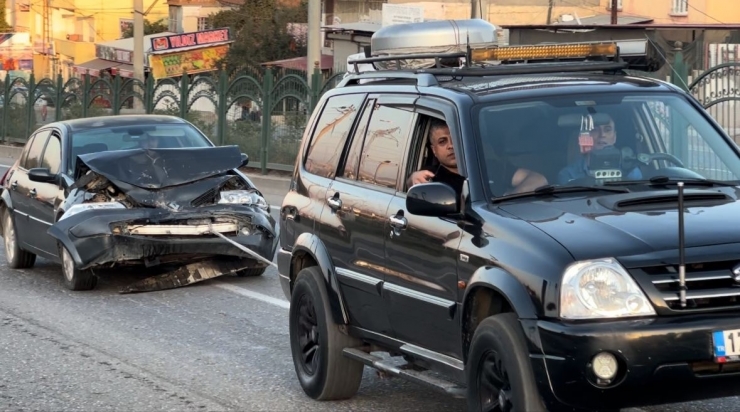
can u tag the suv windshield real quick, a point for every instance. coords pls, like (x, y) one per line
(590, 140)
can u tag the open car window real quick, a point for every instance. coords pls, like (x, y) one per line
(585, 139)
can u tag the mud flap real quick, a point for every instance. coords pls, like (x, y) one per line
(187, 275)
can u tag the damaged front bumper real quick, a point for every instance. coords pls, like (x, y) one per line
(107, 237)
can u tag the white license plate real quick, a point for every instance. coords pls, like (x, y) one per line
(726, 344)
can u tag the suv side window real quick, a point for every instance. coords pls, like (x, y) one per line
(331, 133)
(34, 152)
(353, 156)
(385, 145)
(52, 158)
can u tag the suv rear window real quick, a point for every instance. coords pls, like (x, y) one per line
(331, 134)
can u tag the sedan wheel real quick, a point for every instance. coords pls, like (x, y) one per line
(16, 257)
(74, 278)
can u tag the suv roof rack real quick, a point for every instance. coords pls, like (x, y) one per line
(492, 59)
(428, 77)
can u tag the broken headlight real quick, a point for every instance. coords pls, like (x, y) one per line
(89, 206)
(243, 197)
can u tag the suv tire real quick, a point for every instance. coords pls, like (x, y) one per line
(328, 374)
(499, 363)
(74, 278)
(16, 257)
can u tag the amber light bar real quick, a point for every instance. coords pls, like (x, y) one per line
(544, 51)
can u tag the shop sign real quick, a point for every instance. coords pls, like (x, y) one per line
(183, 40)
(189, 61)
(113, 54)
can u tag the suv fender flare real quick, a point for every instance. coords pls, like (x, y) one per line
(310, 244)
(507, 285)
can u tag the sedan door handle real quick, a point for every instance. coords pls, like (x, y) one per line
(32, 192)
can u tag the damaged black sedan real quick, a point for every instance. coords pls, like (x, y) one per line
(150, 190)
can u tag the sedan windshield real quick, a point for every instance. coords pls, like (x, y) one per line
(611, 138)
(136, 137)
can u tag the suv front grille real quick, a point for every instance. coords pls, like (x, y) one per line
(709, 285)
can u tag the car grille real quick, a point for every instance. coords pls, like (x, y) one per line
(208, 198)
(710, 286)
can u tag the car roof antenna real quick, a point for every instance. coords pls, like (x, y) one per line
(681, 251)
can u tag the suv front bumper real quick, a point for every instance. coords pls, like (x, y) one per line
(661, 360)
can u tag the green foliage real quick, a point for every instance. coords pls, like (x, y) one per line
(260, 29)
(149, 28)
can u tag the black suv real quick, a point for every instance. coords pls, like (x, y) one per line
(581, 292)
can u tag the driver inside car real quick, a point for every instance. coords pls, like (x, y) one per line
(148, 142)
(604, 135)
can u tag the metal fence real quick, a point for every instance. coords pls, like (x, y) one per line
(261, 110)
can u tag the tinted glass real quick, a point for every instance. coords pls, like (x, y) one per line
(34, 152)
(587, 139)
(135, 137)
(331, 134)
(353, 157)
(385, 145)
(52, 155)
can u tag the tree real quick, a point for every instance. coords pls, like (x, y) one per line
(260, 30)
(4, 26)
(149, 28)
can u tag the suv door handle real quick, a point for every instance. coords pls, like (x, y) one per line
(335, 202)
(32, 192)
(399, 222)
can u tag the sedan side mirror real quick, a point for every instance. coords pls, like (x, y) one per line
(245, 160)
(41, 174)
(432, 199)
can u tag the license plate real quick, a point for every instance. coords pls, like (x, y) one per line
(726, 345)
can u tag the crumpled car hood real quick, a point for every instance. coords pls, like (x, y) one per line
(161, 168)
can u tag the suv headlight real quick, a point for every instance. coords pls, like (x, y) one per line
(602, 288)
(75, 209)
(243, 197)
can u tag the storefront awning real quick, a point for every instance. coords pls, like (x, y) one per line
(94, 66)
(299, 63)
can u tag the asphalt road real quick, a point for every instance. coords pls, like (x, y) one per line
(217, 345)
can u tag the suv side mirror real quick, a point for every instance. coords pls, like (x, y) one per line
(41, 174)
(432, 199)
(245, 160)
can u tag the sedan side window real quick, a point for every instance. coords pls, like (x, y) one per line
(385, 145)
(52, 158)
(34, 152)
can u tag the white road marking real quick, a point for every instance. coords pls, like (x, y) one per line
(254, 295)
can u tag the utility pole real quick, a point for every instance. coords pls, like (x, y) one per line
(314, 38)
(139, 48)
(475, 9)
(614, 11)
(549, 12)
